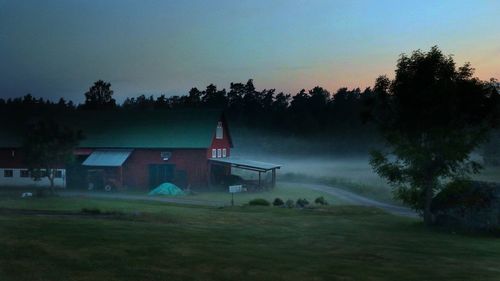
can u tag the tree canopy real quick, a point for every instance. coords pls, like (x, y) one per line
(99, 96)
(47, 146)
(432, 115)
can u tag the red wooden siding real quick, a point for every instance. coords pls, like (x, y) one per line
(13, 158)
(192, 161)
(220, 143)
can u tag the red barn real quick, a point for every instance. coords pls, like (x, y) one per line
(190, 148)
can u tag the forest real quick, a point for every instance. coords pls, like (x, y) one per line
(311, 122)
(282, 123)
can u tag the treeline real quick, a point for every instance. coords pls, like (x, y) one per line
(314, 112)
(313, 121)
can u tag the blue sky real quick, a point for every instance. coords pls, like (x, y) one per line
(59, 48)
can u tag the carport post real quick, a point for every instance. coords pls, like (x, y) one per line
(210, 175)
(259, 180)
(274, 178)
(121, 176)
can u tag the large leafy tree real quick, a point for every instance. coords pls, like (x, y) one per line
(432, 116)
(99, 96)
(47, 146)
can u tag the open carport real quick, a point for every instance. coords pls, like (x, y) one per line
(250, 165)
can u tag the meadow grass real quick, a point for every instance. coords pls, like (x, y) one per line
(376, 190)
(283, 191)
(157, 241)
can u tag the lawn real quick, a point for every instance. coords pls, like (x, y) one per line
(156, 241)
(284, 191)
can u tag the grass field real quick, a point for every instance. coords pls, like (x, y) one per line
(284, 191)
(156, 241)
(353, 174)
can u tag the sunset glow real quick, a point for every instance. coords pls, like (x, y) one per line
(58, 48)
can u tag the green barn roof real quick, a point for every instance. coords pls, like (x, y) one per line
(136, 129)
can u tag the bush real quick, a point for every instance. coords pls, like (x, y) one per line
(289, 203)
(259, 202)
(278, 202)
(301, 203)
(469, 205)
(321, 201)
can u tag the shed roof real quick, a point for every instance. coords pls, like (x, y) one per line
(125, 129)
(246, 164)
(107, 157)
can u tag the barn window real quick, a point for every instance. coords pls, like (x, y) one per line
(8, 173)
(214, 153)
(224, 152)
(219, 153)
(58, 174)
(219, 132)
(25, 174)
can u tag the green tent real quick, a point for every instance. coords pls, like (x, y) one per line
(167, 189)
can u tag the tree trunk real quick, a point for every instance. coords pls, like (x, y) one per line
(51, 179)
(429, 194)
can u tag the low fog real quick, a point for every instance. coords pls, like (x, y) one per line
(342, 161)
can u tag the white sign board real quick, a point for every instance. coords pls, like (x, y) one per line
(235, 188)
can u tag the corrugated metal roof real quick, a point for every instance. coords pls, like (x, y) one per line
(107, 157)
(245, 163)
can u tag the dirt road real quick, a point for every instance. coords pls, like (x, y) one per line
(354, 199)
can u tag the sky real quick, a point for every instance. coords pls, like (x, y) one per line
(56, 49)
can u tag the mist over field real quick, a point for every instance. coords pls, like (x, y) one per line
(341, 161)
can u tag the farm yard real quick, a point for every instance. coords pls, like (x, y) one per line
(85, 238)
(249, 140)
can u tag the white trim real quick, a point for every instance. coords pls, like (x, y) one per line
(17, 180)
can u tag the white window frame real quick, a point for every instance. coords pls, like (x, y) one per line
(214, 153)
(224, 153)
(26, 171)
(219, 153)
(5, 171)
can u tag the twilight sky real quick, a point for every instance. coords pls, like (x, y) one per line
(59, 48)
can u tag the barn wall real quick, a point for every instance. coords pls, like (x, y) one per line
(220, 143)
(192, 161)
(17, 180)
(13, 160)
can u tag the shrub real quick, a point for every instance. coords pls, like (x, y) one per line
(259, 202)
(301, 203)
(321, 201)
(278, 202)
(469, 205)
(289, 203)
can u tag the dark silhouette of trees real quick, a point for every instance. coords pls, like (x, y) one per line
(432, 116)
(47, 146)
(338, 118)
(99, 96)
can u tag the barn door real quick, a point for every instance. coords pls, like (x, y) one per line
(160, 173)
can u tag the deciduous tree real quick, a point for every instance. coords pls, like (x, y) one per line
(432, 115)
(47, 146)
